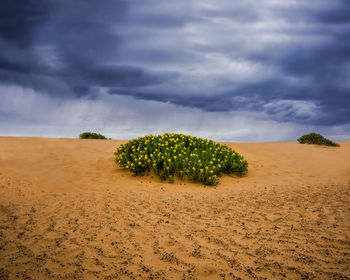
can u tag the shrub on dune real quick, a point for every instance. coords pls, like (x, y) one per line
(177, 155)
(315, 138)
(91, 135)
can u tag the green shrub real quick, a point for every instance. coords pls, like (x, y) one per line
(91, 135)
(171, 155)
(315, 138)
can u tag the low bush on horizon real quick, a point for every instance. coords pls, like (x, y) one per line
(177, 155)
(91, 135)
(315, 138)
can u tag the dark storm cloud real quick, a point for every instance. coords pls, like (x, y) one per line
(286, 59)
(123, 76)
(61, 42)
(19, 19)
(310, 49)
(336, 12)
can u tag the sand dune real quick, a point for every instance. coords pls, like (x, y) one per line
(67, 211)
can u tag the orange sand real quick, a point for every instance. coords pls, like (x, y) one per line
(67, 211)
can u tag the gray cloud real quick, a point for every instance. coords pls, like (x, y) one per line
(27, 112)
(285, 60)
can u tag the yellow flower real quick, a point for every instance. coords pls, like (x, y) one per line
(193, 168)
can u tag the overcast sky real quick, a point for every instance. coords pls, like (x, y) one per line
(268, 70)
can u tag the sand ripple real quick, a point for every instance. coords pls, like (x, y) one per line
(68, 212)
(294, 232)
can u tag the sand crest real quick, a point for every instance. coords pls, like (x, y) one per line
(67, 211)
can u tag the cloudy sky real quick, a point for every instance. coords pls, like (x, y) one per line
(268, 70)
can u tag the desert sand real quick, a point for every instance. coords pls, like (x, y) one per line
(67, 211)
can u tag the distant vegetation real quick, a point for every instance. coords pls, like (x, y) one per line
(315, 138)
(91, 135)
(177, 155)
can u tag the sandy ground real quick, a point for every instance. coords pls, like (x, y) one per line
(67, 211)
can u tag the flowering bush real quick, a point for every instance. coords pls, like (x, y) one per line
(91, 135)
(315, 138)
(179, 155)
